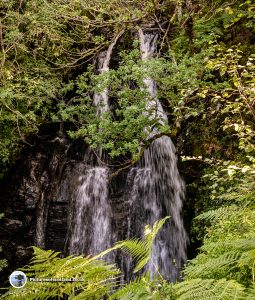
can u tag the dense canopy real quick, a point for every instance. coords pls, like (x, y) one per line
(204, 69)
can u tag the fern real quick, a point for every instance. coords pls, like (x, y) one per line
(140, 249)
(137, 289)
(236, 244)
(215, 215)
(228, 250)
(96, 278)
(143, 288)
(251, 293)
(207, 267)
(210, 289)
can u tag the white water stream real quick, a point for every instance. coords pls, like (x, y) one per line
(157, 189)
(91, 232)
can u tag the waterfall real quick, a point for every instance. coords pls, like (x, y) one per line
(101, 101)
(155, 189)
(147, 48)
(151, 190)
(91, 214)
(91, 227)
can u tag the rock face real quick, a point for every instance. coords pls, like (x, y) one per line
(30, 204)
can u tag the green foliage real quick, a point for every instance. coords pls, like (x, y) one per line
(44, 45)
(28, 87)
(237, 97)
(217, 96)
(42, 42)
(198, 289)
(192, 289)
(228, 246)
(205, 74)
(127, 127)
(90, 277)
(216, 112)
(224, 268)
(141, 250)
(209, 78)
(203, 82)
(144, 288)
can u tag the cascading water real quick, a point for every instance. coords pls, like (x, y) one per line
(157, 190)
(147, 48)
(91, 230)
(101, 101)
(91, 217)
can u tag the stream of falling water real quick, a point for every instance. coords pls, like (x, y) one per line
(91, 232)
(157, 190)
(101, 101)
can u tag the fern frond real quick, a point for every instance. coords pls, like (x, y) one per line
(235, 244)
(91, 278)
(96, 278)
(204, 266)
(140, 249)
(210, 289)
(251, 293)
(143, 288)
(133, 290)
(216, 214)
(248, 259)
